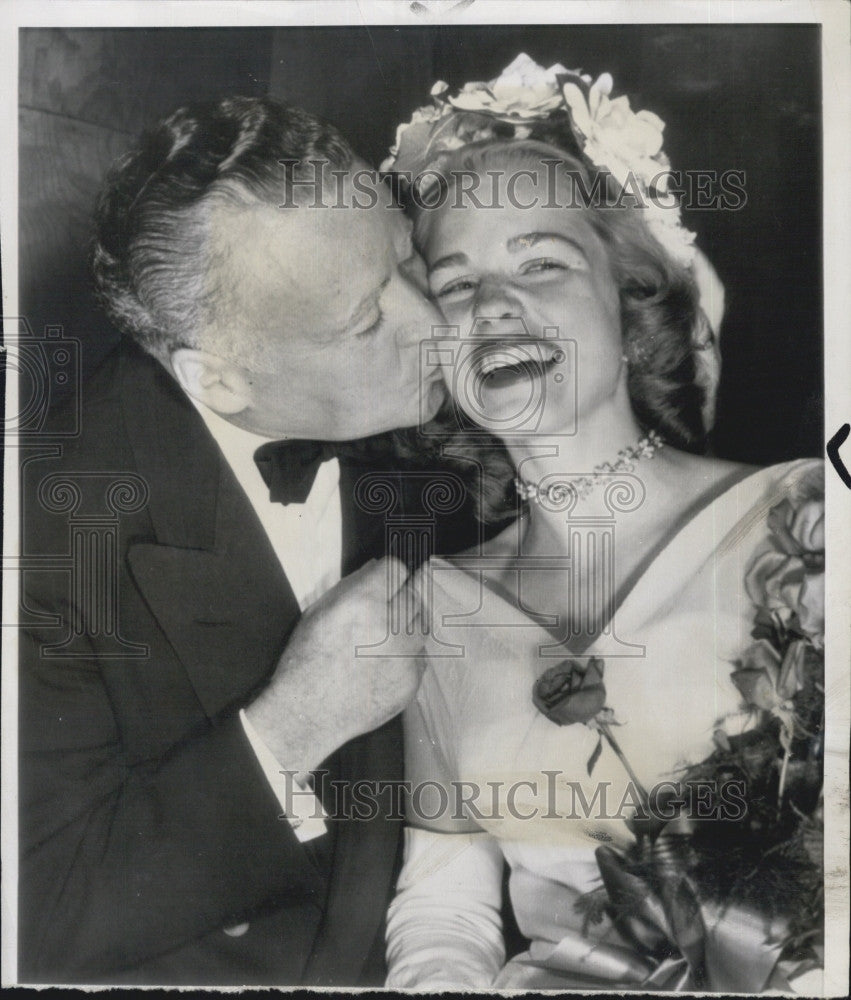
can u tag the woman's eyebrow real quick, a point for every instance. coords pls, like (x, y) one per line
(528, 240)
(448, 261)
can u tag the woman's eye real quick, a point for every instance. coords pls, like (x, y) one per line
(544, 264)
(457, 287)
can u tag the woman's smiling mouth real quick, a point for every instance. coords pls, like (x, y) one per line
(498, 364)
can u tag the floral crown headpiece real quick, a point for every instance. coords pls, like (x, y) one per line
(607, 133)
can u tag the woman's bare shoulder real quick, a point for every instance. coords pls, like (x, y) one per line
(697, 479)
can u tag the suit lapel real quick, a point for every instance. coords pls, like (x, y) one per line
(173, 452)
(211, 577)
(364, 852)
(227, 619)
(363, 530)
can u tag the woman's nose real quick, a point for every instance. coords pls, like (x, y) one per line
(494, 301)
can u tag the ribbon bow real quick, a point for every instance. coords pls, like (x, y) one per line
(697, 945)
(671, 939)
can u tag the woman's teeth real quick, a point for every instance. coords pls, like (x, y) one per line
(521, 360)
(493, 362)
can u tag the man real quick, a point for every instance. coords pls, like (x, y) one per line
(168, 828)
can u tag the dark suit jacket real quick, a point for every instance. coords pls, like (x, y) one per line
(147, 826)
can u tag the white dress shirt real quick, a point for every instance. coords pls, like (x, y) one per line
(308, 540)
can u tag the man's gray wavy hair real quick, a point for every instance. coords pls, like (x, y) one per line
(151, 256)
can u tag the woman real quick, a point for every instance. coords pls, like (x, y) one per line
(644, 586)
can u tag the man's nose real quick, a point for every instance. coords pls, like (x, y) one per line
(410, 311)
(414, 271)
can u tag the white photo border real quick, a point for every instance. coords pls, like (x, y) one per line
(836, 76)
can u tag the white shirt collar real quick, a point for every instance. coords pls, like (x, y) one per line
(238, 446)
(306, 538)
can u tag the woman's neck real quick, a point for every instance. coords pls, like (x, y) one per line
(599, 438)
(669, 485)
(550, 460)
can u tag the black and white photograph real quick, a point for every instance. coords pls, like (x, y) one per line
(425, 427)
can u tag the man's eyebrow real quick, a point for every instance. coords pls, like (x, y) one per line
(527, 240)
(448, 261)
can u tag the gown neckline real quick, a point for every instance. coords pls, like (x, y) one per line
(665, 565)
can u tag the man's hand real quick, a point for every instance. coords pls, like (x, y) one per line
(323, 693)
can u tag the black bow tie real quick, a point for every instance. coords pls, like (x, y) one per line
(289, 467)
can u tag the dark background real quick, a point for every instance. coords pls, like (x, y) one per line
(733, 97)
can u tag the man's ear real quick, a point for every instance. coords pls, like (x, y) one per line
(211, 380)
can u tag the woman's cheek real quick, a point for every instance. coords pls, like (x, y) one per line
(457, 314)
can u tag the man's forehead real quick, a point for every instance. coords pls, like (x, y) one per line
(315, 263)
(294, 239)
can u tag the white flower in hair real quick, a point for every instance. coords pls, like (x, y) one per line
(524, 93)
(420, 126)
(522, 90)
(609, 134)
(665, 224)
(616, 137)
(629, 145)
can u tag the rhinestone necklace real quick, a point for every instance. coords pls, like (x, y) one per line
(646, 447)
